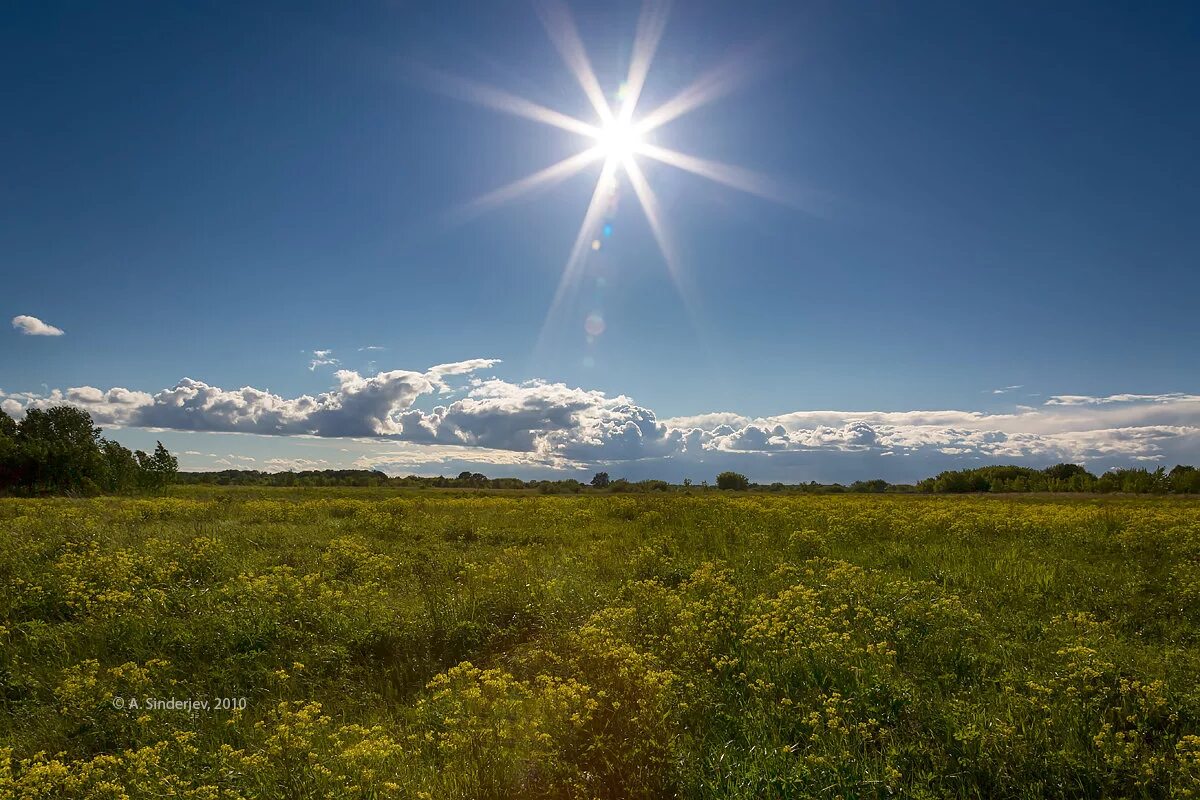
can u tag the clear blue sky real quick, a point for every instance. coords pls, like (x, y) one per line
(1007, 196)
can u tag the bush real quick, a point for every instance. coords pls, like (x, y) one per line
(733, 480)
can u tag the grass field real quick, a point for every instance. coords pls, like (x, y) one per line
(373, 644)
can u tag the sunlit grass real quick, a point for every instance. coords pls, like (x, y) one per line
(706, 645)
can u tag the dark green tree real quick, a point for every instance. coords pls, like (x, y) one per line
(1064, 472)
(8, 450)
(8, 426)
(164, 465)
(600, 480)
(59, 451)
(1184, 479)
(157, 470)
(733, 480)
(121, 470)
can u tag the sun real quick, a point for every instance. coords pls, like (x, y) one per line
(622, 136)
(618, 140)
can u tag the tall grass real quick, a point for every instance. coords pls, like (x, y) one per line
(469, 646)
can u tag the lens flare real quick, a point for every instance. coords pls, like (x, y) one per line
(617, 139)
(594, 324)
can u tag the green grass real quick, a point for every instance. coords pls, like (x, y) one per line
(445, 645)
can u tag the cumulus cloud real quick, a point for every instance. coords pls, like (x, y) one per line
(32, 326)
(553, 425)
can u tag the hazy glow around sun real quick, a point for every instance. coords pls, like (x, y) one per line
(619, 139)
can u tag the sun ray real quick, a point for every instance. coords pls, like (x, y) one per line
(739, 178)
(650, 207)
(658, 227)
(500, 100)
(605, 187)
(552, 174)
(559, 24)
(712, 85)
(651, 23)
(618, 137)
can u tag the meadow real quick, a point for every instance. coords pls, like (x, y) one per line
(376, 644)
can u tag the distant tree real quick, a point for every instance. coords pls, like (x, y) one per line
(1134, 481)
(164, 465)
(121, 470)
(733, 481)
(145, 476)
(600, 480)
(687, 481)
(475, 480)
(1184, 479)
(8, 450)
(570, 486)
(8, 426)
(1064, 472)
(960, 482)
(59, 451)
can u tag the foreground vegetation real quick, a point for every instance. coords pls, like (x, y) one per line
(665, 645)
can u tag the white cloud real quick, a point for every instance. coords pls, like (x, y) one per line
(295, 464)
(539, 425)
(1087, 400)
(437, 374)
(32, 326)
(322, 358)
(1007, 389)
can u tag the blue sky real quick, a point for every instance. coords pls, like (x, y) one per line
(986, 197)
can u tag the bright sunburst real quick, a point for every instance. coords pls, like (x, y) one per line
(618, 139)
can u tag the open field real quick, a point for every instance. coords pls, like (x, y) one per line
(441, 645)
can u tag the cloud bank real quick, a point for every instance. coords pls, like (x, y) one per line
(32, 326)
(540, 425)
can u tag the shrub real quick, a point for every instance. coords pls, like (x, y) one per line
(733, 480)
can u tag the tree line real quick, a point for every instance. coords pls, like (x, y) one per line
(1181, 479)
(60, 451)
(366, 477)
